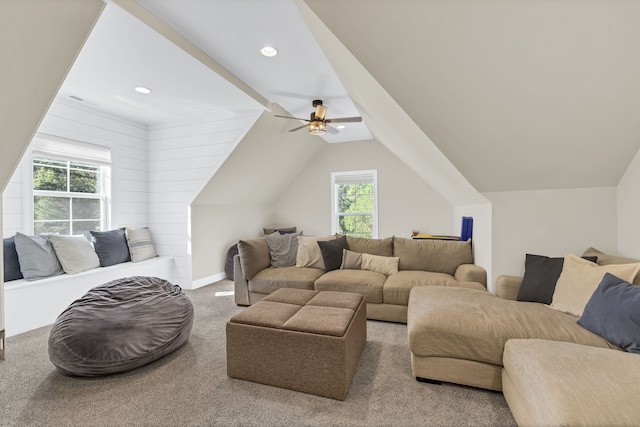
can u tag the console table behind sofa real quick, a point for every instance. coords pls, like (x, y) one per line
(31, 305)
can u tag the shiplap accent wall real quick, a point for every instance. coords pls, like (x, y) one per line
(128, 142)
(182, 159)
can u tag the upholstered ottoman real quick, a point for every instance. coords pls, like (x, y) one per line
(552, 383)
(120, 326)
(303, 340)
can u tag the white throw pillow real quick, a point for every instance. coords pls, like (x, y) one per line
(75, 253)
(580, 278)
(140, 244)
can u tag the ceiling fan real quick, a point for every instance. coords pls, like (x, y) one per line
(318, 124)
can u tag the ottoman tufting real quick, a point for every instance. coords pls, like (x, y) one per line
(120, 326)
(303, 340)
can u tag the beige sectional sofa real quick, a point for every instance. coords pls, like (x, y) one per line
(419, 263)
(552, 370)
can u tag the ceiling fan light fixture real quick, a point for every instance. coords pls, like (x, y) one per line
(317, 128)
(269, 51)
(340, 127)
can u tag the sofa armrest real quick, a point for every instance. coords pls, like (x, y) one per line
(241, 286)
(471, 273)
(507, 287)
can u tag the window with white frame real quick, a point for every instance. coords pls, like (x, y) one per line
(355, 203)
(70, 186)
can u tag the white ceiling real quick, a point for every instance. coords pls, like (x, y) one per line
(122, 52)
(518, 95)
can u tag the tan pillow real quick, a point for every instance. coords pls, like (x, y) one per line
(351, 260)
(254, 256)
(606, 259)
(382, 264)
(580, 278)
(309, 254)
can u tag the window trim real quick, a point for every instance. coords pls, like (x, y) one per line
(97, 155)
(370, 175)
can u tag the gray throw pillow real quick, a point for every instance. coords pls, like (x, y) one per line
(111, 247)
(283, 248)
(37, 257)
(11, 263)
(613, 312)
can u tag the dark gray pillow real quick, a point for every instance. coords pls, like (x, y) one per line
(111, 247)
(613, 312)
(37, 257)
(11, 263)
(540, 276)
(332, 252)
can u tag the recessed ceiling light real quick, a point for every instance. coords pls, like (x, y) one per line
(269, 51)
(142, 89)
(340, 127)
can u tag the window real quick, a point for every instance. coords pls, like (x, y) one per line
(354, 203)
(69, 186)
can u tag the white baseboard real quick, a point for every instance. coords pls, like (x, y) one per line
(208, 280)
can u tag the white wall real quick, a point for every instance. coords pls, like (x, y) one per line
(129, 155)
(183, 158)
(551, 223)
(482, 235)
(629, 210)
(405, 201)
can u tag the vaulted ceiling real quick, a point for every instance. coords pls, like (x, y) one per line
(517, 95)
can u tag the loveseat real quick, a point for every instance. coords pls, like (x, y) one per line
(383, 270)
(560, 363)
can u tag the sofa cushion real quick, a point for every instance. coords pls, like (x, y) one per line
(398, 286)
(75, 253)
(613, 312)
(331, 251)
(541, 274)
(37, 257)
(283, 248)
(606, 259)
(272, 279)
(579, 278)
(381, 247)
(440, 256)
(254, 256)
(309, 254)
(11, 263)
(564, 384)
(367, 283)
(474, 325)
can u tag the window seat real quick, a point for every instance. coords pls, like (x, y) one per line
(31, 305)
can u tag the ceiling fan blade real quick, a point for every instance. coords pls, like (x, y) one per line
(321, 110)
(332, 130)
(298, 128)
(288, 117)
(345, 120)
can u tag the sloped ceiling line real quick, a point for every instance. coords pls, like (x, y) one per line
(389, 124)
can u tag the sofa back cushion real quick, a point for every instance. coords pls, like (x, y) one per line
(440, 256)
(380, 247)
(254, 256)
(606, 259)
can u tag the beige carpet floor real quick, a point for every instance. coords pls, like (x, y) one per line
(190, 387)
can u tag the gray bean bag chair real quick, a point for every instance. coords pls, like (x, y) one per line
(119, 326)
